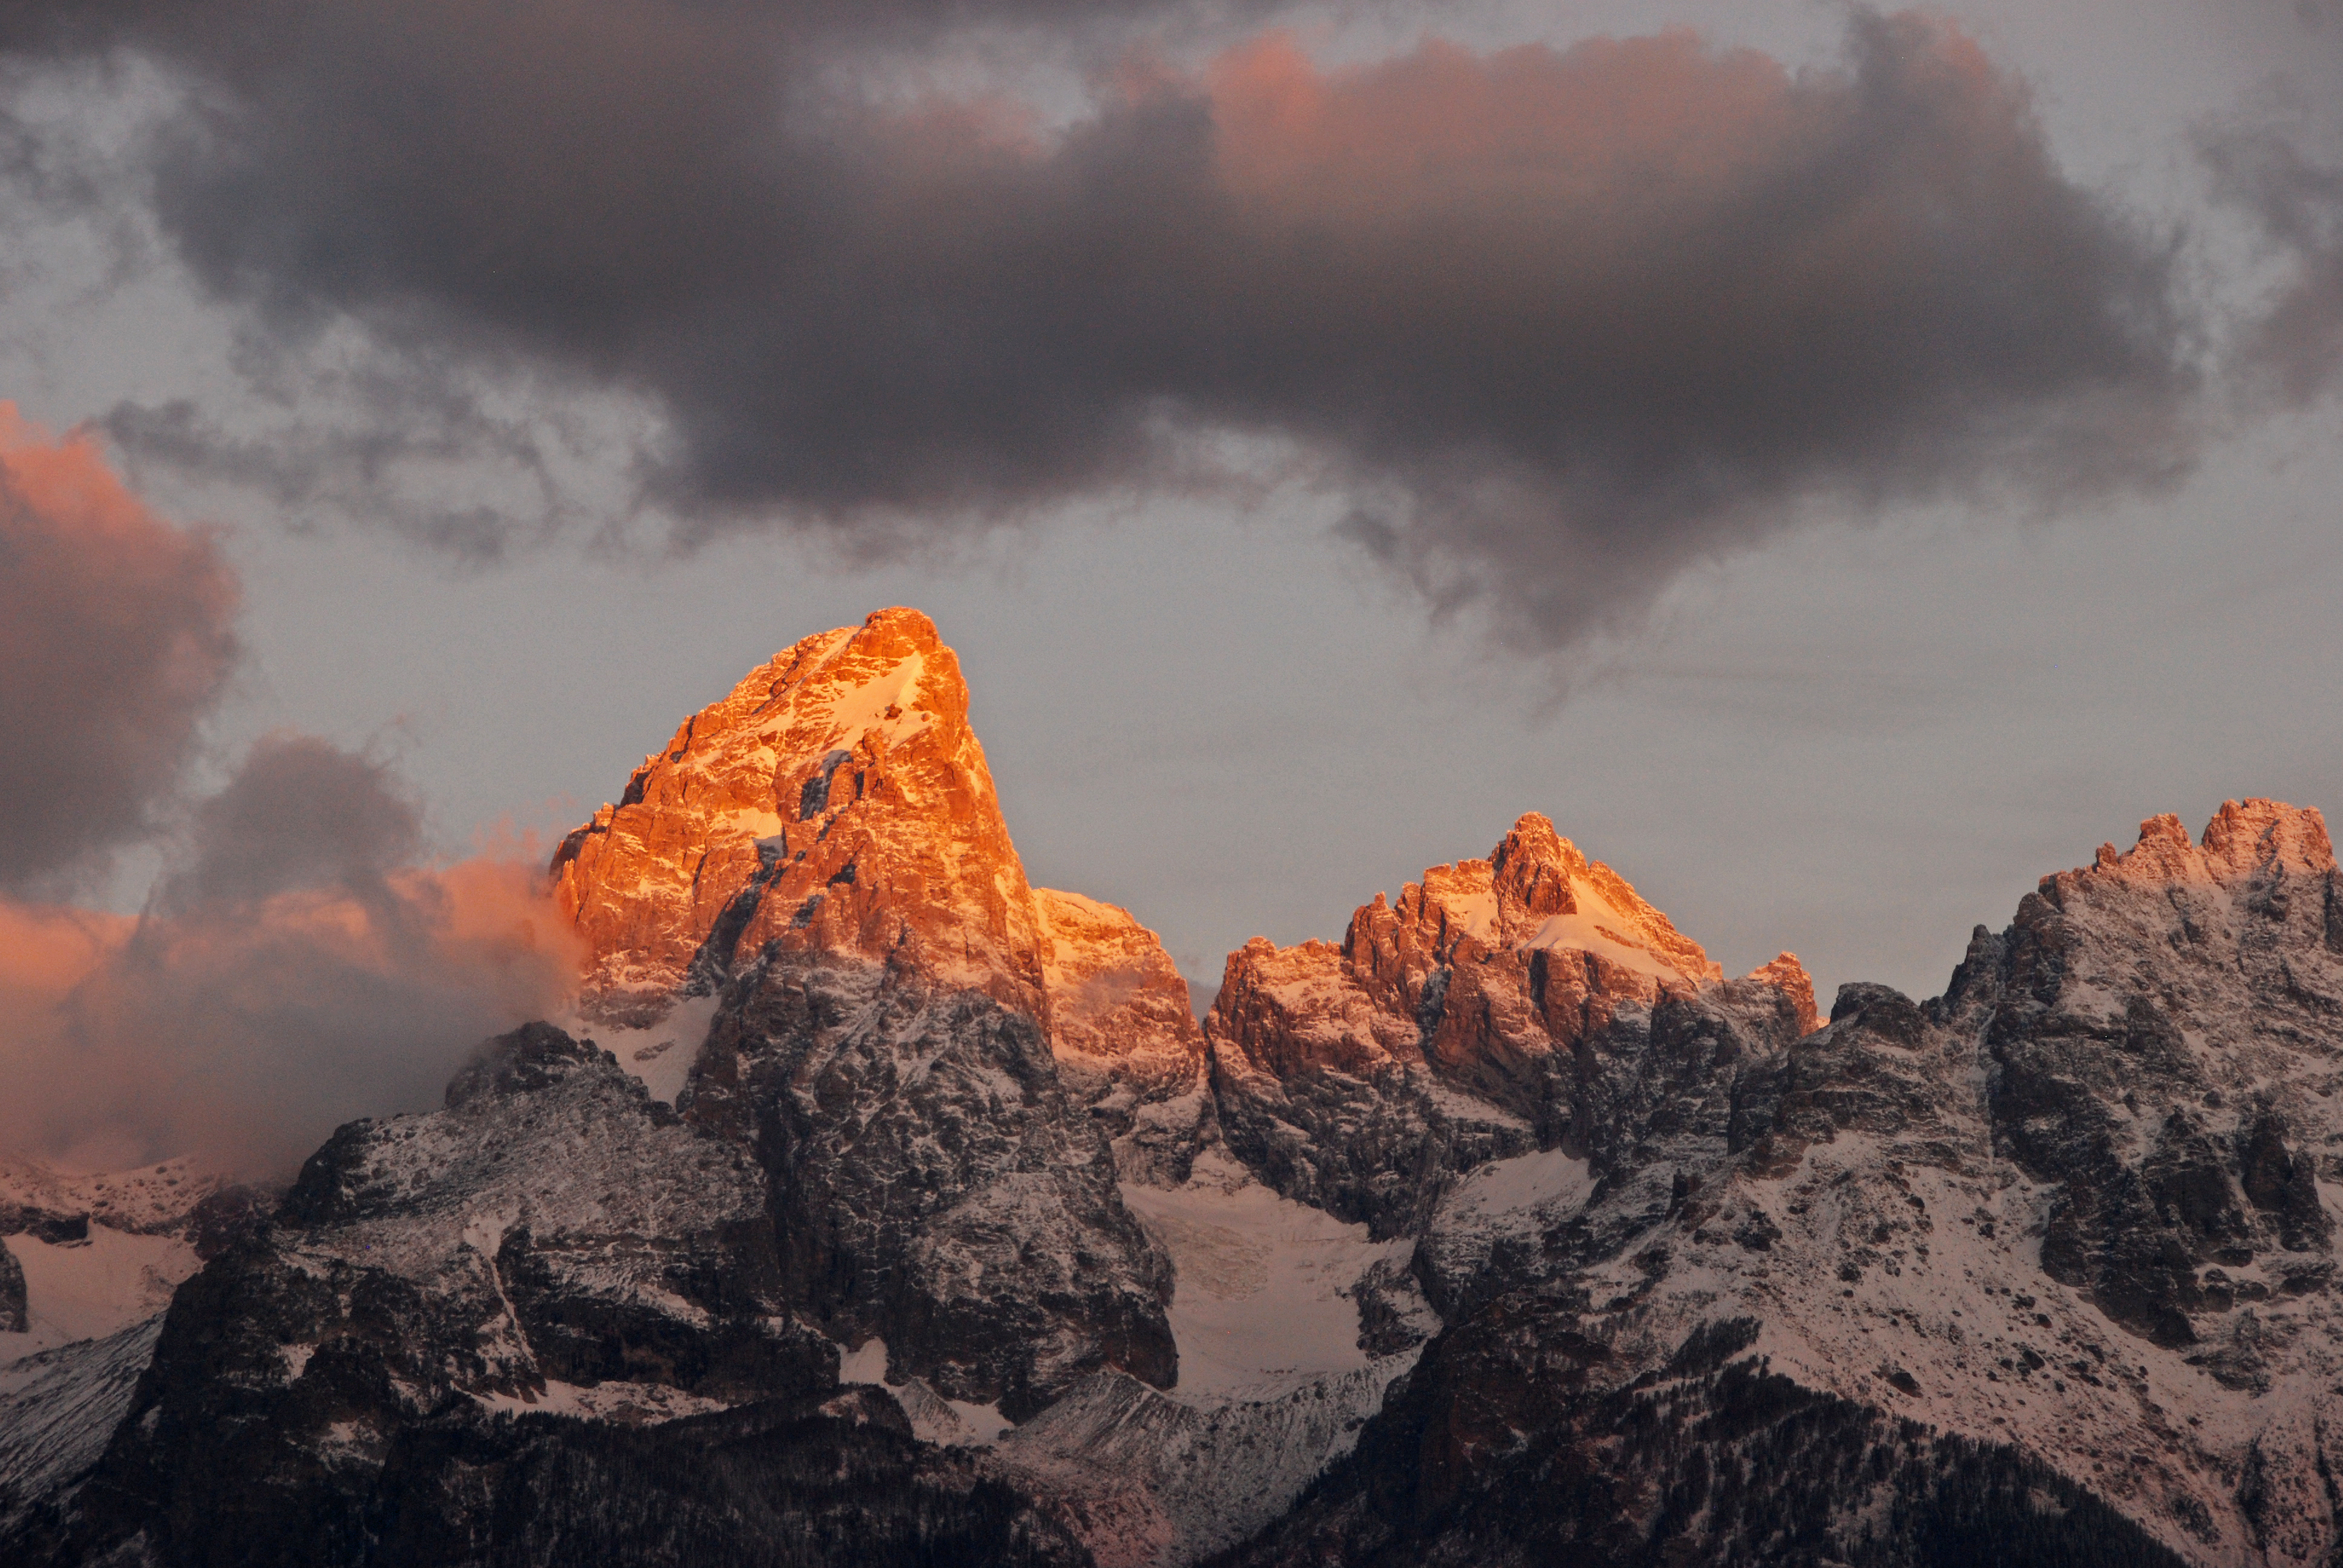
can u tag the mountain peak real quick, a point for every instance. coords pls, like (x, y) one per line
(837, 803)
(2244, 836)
(1537, 890)
(837, 799)
(1482, 1016)
(1786, 974)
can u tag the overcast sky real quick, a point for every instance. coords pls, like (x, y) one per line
(1839, 465)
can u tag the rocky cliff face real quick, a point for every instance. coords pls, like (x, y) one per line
(1126, 1042)
(932, 1184)
(837, 803)
(2162, 1028)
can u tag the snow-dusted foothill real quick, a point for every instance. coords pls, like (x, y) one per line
(58, 1410)
(552, 1226)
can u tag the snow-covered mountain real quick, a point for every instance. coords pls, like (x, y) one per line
(874, 1206)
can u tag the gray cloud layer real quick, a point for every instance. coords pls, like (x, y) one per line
(1559, 321)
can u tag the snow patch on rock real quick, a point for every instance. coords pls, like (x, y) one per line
(624, 1404)
(950, 1423)
(1548, 1185)
(946, 1423)
(659, 1053)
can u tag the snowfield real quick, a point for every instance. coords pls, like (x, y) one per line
(1262, 1301)
(88, 1289)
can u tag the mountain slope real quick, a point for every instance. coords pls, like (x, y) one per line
(871, 1146)
(823, 850)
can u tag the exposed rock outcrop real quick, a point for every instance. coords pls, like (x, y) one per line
(1126, 1043)
(836, 801)
(2165, 1025)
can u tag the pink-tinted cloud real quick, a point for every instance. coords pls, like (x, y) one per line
(48, 949)
(1446, 132)
(295, 972)
(115, 639)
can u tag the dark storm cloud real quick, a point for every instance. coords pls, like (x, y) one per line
(1559, 322)
(298, 971)
(114, 642)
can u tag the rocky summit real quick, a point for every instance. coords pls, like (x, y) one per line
(873, 1206)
